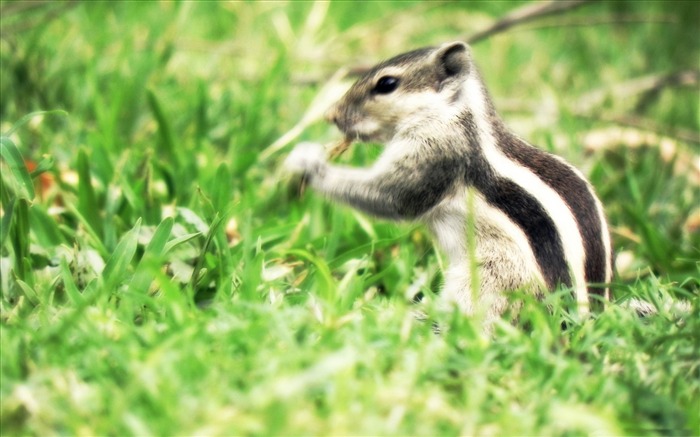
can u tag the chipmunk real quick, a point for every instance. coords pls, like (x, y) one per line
(450, 162)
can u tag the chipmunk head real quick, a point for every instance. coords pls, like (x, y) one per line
(410, 89)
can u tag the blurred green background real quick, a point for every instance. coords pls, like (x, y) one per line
(179, 88)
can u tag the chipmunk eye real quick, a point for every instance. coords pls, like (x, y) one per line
(386, 85)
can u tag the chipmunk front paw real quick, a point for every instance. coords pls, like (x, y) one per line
(308, 159)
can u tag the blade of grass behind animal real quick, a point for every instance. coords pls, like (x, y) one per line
(12, 158)
(87, 199)
(152, 258)
(44, 227)
(116, 268)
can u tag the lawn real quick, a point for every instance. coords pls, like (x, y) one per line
(161, 274)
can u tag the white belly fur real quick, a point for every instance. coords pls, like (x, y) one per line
(504, 259)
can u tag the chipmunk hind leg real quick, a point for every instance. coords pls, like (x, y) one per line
(488, 301)
(499, 268)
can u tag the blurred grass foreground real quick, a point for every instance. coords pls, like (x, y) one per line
(161, 276)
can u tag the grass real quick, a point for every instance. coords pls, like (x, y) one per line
(160, 278)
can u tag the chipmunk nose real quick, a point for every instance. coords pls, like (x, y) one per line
(332, 114)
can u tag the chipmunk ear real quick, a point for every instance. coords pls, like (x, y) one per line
(452, 59)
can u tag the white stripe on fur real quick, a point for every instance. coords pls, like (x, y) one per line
(553, 204)
(603, 229)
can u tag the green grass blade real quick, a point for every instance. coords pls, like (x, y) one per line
(44, 227)
(6, 222)
(95, 240)
(201, 124)
(13, 159)
(251, 276)
(167, 142)
(221, 190)
(69, 286)
(199, 263)
(151, 257)
(118, 264)
(24, 120)
(87, 200)
(172, 244)
(28, 292)
(327, 285)
(156, 246)
(46, 164)
(20, 239)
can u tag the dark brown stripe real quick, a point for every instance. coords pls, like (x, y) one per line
(520, 207)
(574, 191)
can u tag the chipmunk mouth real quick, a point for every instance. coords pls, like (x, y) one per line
(364, 131)
(355, 135)
(352, 133)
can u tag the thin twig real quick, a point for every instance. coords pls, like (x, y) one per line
(518, 16)
(689, 78)
(37, 14)
(684, 135)
(599, 21)
(10, 8)
(642, 86)
(524, 14)
(645, 87)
